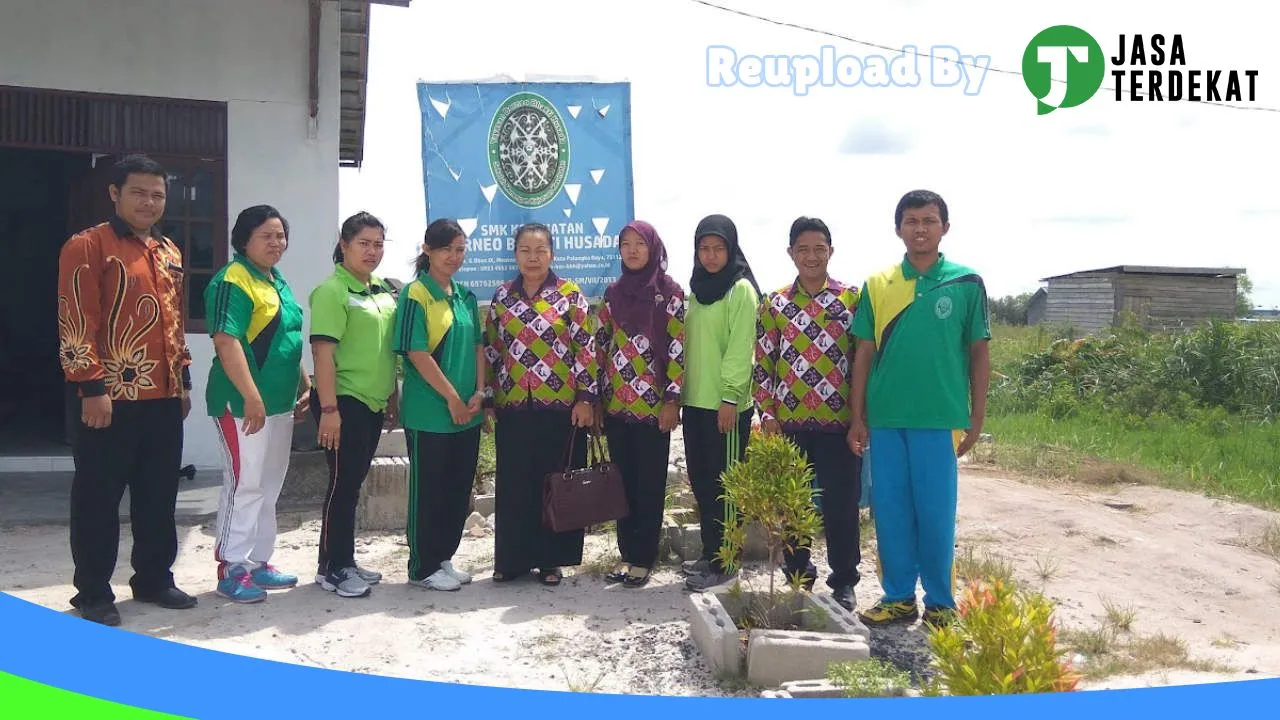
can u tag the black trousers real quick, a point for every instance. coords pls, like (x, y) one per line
(706, 451)
(838, 474)
(641, 452)
(140, 450)
(442, 473)
(358, 438)
(530, 444)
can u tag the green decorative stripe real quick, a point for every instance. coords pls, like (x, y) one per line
(731, 459)
(411, 529)
(39, 700)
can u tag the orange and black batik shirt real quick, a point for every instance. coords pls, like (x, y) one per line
(120, 325)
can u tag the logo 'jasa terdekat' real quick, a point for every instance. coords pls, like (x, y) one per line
(1063, 66)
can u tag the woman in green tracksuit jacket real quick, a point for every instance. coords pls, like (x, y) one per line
(720, 331)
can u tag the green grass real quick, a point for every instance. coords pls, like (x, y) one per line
(1241, 461)
(869, 678)
(1194, 410)
(487, 463)
(1010, 343)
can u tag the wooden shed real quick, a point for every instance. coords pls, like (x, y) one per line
(1035, 306)
(1158, 297)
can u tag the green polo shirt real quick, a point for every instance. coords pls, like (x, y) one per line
(922, 325)
(448, 327)
(360, 319)
(261, 313)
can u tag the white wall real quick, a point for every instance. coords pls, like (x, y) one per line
(253, 54)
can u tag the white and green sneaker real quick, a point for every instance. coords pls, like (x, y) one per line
(438, 580)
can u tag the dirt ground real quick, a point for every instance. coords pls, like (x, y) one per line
(1183, 563)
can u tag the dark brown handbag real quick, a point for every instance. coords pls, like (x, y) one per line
(577, 498)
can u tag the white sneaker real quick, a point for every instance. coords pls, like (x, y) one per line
(455, 573)
(438, 580)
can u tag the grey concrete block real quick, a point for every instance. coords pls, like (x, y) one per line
(838, 620)
(776, 694)
(392, 444)
(685, 538)
(776, 656)
(384, 498)
(715, 635)
(811, 689)
(485, 504)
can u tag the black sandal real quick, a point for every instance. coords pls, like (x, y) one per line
(550, 577)
(501, 577)
(619, 573)
(637, 577)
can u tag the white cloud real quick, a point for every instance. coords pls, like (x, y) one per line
(873, 137)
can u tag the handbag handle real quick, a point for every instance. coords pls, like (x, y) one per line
(568, 450)
(599, 445)
(593, 439)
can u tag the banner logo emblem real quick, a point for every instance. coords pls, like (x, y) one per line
(528, 150)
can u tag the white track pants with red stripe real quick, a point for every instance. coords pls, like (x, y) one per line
(251, 482)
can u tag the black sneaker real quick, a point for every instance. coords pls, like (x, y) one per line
(694, 567)
(101, 613)
(170, 599)
(844, 597)
(707, 580)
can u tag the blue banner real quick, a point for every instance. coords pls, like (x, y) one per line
(497, 155)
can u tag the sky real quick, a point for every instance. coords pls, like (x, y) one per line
(1101, 184)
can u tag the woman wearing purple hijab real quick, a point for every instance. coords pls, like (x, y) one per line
(640, 344)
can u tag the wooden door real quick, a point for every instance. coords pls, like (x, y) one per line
(195, 218)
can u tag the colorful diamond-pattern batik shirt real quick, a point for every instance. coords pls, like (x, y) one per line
(803, 357)
(541, 352)
(628, 373)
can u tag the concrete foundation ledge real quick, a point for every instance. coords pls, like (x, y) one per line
(384, 497)
(392, 444)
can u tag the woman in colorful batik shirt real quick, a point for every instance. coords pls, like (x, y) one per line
(543, 380)
(720, 334)
(640, 341)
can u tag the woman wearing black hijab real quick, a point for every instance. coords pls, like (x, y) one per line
(720, 333)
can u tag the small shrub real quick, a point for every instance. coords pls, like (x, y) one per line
(773, 488)
(1002, 642)
(869, 678)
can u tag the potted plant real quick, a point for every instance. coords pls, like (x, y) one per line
(787, 633)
